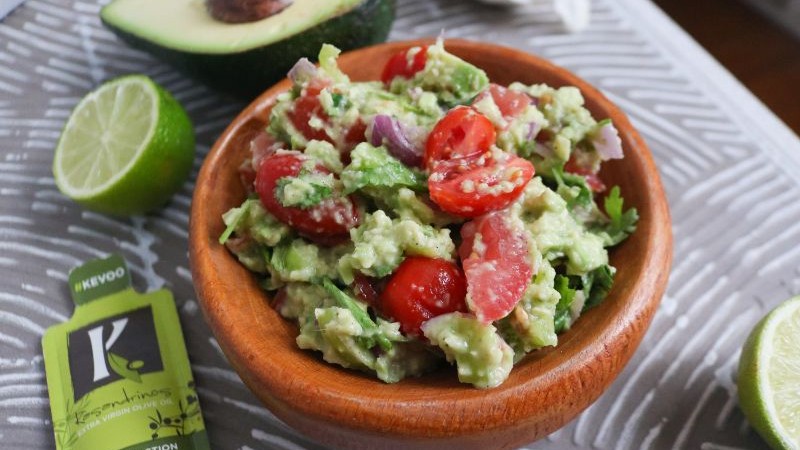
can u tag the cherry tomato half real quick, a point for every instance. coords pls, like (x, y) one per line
(509, 102)
(422, 288)
(499, 269)
(461, 133)
(307, 107)
(479, 190)
(467, 177)
(399, 65)
(326, 223)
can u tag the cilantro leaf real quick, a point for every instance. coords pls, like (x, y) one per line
(345, 301)
(572, 187)
(563, 317)
(338, 99)
(597, 284)
(232, 219)
(621, 224)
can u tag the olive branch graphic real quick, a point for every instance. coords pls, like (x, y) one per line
(66, 429)
(186, 420)
(124, 368)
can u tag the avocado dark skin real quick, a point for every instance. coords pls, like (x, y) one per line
(246, 74)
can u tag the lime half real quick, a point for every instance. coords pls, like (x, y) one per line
(126, 148)
(769, 377)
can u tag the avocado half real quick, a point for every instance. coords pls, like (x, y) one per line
(245, 59)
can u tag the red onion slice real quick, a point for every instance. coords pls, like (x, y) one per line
(533, 130)
(544, 150)
(389, 132)
(302, 71)
(607, 142)
(261, 146)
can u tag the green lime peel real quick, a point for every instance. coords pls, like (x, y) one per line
(117, 372)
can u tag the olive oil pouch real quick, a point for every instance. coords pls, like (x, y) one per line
(117, 372)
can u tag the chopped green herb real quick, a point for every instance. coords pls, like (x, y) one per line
(562, 317)
(597, 283)
(232, 219)
(567, 184)
(622, 224)
(338, 99)
(361, 316)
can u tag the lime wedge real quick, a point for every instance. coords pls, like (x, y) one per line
(769, 376)
(126, 148)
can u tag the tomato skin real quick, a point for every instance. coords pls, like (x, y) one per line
(308, 106)
(466, 177)
(462, 133)
(592, 179)
(510, 103)
(422, 288)
(398, 66)
(305, 108)
(452, 196)
(497, 271)
(327, 223)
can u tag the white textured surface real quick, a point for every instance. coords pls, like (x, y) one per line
(729, 167)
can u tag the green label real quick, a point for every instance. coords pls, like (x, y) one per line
(118, 374)
(99, 278)
(195, 441)
(117, 347)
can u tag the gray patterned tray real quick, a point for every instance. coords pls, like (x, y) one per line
(729, 166)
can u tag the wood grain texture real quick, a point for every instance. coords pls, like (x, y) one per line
(347, 409)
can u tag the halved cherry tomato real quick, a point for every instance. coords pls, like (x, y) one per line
(592, 179)
(399, 66)
(326, 223)
(422, 288)
(480, 189)
(498, 269)
(308, 107)
(356, 134)
(510, 103)
(467, 177)
(461, 133)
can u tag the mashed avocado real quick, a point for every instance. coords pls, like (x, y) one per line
(334, 237)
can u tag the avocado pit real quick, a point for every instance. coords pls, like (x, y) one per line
(242, 11)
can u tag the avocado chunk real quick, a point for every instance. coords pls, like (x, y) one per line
(245, 58)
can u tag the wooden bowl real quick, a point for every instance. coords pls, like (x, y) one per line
(347, 409)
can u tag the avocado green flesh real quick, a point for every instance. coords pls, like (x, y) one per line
(186, 24)
(245, 59)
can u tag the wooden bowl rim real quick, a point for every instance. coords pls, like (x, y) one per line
(518, 403)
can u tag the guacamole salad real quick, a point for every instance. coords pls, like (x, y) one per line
(429, 217)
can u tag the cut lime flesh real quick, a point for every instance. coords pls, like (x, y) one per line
(107, 132)
(783, 371)
(769, 377)
(126, 148)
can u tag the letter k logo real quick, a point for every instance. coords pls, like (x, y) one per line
(99, 348)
